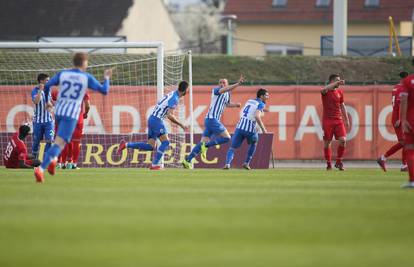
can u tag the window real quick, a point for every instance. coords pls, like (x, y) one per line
(323, 3)
(283, 50)
(279, 3)
(371, 3)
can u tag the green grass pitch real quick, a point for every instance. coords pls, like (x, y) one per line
(135, 217)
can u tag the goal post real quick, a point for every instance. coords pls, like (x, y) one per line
(141, 76)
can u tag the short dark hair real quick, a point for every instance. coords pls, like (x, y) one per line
(403, 74)
(261, 92)
(182, 86)
(24, 130)
(333, 77)
(79, 58)
(42, 77)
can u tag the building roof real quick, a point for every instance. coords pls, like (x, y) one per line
(28, 19)
(296, 11)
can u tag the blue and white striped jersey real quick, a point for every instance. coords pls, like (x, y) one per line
(169, 101)
(247, 120)
(41, 114)
(218, 103)
(72, 88)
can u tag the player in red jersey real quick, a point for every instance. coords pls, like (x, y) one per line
(396, 123)
(69, 157)
(15, 156)
(334, 117)
(407, 124)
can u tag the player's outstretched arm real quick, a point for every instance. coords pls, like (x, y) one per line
(52, 82)
(233, 105)
(332, 86)
(95, 85)
(233, 86)
(173, 119)
(259, 121)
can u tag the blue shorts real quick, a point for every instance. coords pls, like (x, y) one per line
(213, 127)
(156, 127)
(43, 131)
(239, 135)
(65, 127)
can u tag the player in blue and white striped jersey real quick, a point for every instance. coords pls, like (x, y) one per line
(73, 84)
(214, 133)
(43, 123)
(156, 127)
(247, 128)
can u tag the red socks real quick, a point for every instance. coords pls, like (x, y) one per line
(340, 153)
(409, 155)
(328, 154)
(393, 149)
(75, 151)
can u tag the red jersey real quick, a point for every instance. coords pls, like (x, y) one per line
(396, 102)
(85, 98)
(15, 150)
(332, 101)
(408, 89)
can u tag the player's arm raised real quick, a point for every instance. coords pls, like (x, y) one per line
(173, 119)
(38, 97)
(233, 86)
(332, 86)
(258, 115)
(95, 85)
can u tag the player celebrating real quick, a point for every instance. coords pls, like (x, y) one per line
(334, 114)
(407, 124)
(220, 98)
(42, 120)
(396, 123)
(15, 155)
(73, 84)
(246, 128)
(156, 127)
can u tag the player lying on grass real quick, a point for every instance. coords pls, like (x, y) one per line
(396, 123)
(246, 128)
(334, 115)
(72, 84)
(220, 98)
(156, 128)
(15, 156)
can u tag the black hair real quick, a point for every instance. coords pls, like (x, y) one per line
(403, 74)
(41, 77)
(24, 130)
(182, 86)
(333, 77)
(261, 92)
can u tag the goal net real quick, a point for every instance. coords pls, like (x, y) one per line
(138, 80)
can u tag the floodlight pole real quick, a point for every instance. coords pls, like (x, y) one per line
(340, 27)
(229, 19)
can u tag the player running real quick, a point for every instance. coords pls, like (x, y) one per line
(220, 98)
(396, 123)
(43, 124)
(407, 124)
(334, 115)
(73, 84)
(246, 128)
(15, 156)
(156, 127)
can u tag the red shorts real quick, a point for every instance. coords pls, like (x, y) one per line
(78, 132)
(333, 128)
